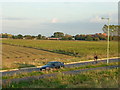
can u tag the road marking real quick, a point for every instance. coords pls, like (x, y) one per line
(65, 63)
(92, 60)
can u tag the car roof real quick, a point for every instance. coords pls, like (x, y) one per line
(54, 61)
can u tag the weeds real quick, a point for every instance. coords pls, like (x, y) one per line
(90, 79)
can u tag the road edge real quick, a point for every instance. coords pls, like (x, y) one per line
(65, 63)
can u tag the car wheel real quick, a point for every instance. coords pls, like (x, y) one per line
(62, 66)
(47, 68)
(59, 67)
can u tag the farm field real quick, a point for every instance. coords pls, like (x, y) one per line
(0, 54)
(42, 51)
(19, 57)
(82, 49)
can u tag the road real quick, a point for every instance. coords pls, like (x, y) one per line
(67, 66)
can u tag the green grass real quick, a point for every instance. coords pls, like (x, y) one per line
(90, 79)
(82, 49)
(36, 73)
(52, 50)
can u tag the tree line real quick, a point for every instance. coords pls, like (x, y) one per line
(20, 36)
(61, 36)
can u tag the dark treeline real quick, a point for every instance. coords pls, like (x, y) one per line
(61, 36)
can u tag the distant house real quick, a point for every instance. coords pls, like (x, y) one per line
(35, 39)
(93, 35)
(104, 34)
(50, 38)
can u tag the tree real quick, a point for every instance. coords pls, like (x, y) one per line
(115, 38)
(33, 37)
(80, 37)
(14, 37)
(4, 35)
(19, 36)
(113, 29)
(67, 37)
(101, 37)
(43, 37)
(88, 38)
(39, 36)
(28, 37)
(58, 34)
(77, 37)
(96, 39)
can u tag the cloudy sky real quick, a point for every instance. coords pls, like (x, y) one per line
(49, 17)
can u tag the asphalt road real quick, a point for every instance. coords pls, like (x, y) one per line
(67, 66)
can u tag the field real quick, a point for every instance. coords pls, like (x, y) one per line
(90, 79)
(19, 57)
(38, 52)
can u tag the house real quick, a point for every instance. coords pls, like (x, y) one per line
(104, 34)
(53, 38)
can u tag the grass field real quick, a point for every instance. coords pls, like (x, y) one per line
(90, 79)
(52, 50)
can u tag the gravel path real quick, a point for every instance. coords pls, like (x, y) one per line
(8, 81)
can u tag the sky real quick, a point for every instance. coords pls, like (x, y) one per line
(45, 18)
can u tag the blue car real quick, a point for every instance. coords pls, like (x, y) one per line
(53, 64)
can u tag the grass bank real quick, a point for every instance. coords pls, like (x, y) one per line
(37, 73)
(90, 79)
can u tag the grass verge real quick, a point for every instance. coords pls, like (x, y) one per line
(90, 79)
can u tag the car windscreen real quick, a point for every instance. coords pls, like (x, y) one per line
(49, 63)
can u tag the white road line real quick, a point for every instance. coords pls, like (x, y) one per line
(65, 63)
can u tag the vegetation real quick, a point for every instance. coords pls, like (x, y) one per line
(82, 49)
(21, 57)
(20, 36)
(62, 36)
(90, 79)
(29, 53)
(58, 34)
(112, 28)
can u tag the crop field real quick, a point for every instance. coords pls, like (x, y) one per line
(28, 53)
(82, 49)
(18, 57)
(0, 54)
